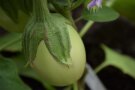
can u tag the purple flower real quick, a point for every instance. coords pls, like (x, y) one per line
(94, 3)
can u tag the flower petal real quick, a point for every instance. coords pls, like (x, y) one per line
(98, 3)
(94, 3)
(91, 4)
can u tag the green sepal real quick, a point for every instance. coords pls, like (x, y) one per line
(54, 31)
(52, 28)
(57, 38)
(34, 33)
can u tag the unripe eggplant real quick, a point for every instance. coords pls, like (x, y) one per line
(56, 73)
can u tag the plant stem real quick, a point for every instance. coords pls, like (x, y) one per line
(86, 28)
(69, 3)
(78, 19)
(68, 15)
(75, 86)
(40, 9)
(100, 67)
(92, 80)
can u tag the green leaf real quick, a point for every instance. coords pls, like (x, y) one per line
(11, 8)
(103, 14)
(9, 79)
(22, 70)
(8, 24)
(28, 71)
(16, 47)
(26, 6)
(123, 62)
(11, 42)
(57, 38)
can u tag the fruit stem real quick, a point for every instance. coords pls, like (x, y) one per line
(68, 15)
(40, 9)
(75, 86)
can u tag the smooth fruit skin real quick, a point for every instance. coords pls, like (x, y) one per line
(58, 74)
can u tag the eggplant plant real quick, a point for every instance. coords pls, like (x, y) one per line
(48, 43)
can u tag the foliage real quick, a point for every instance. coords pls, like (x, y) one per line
(103, 14)
(123, 62)
(9, 78)
(14, 15)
